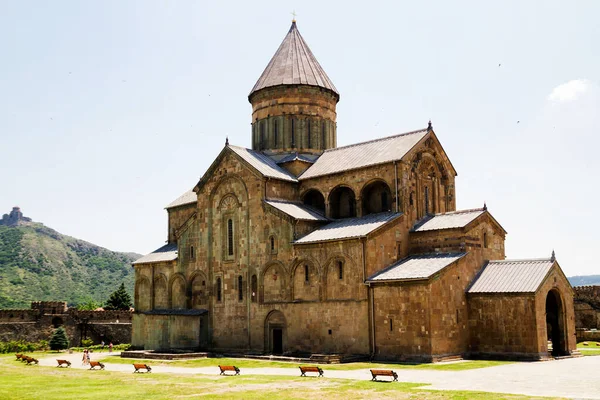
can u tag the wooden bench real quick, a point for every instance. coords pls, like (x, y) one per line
(94, 364)
(66, 363)
(231, 368)
(141, 366)
(384, 372)
(317, 370)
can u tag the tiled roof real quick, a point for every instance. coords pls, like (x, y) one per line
(348, 228)
(449, 220)
(186, 198)
(512, 276)
(364, 154)
(263, 164)
(166, 253)
(297, 211)
(293, 64)
(420, 266)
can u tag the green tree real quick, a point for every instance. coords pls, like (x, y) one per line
(88, 305)
(59, 340)
(119, 300)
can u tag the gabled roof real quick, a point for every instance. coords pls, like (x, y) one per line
(188, 197)
(263, 164)
(166, 253)
(449, 220)
(349, 228)
(416, 267)
(359, 155)
(297, 211)
(309, 158)
(512, 276)
(293, 64)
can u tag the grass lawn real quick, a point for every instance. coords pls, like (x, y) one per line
(250, 363)
(18, 381)
(592, 348)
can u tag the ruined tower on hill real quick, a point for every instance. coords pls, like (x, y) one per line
(15, 218)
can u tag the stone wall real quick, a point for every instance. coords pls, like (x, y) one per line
(503, 325)
(39, 322)
(587, 307)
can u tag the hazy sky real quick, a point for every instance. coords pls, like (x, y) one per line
(109, 110)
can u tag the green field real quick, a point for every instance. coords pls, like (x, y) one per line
(250, 363)
(19, 381)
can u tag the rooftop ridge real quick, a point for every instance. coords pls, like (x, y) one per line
(375, 140)
(520, 260)
(466, 211)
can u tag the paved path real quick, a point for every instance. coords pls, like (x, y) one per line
(571, 378)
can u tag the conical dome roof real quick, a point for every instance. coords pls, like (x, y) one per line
(294, 64)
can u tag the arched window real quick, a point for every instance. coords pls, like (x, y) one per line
(308, 144)
(240, 288)
(340, 270)
(306, 273)
(275, 133)
(376, 198)
(293, 136)
(218, 289)
(192, 252)
(485, 241)
(323, 135)
(254, 284)
(230, 237)
(426, 200)
(342, 203)
(315, 199)
(272, 243)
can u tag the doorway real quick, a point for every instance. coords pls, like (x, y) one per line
(555, 325)
(275, 332)
(277, 341)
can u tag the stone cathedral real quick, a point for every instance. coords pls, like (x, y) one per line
(300, 247)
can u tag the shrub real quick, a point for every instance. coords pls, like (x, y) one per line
(87, 342)
(18, 346)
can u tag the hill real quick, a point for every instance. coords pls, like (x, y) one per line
(584, 280)
(39, 263)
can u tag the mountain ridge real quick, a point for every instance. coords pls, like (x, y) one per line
(39, 263)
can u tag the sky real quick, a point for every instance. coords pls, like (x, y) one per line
(109, 110)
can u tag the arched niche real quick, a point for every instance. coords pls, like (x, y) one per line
(340, 279)
(376, 197)
(143, 297)
(161, 293)
(314, 199)
(342, 203)
(178, 295)
(273, 283)
(198, 291)
(306, 281)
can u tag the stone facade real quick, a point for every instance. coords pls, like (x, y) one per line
(246, 277)
(38, 323)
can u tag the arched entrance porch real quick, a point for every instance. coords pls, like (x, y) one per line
(555, 324)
